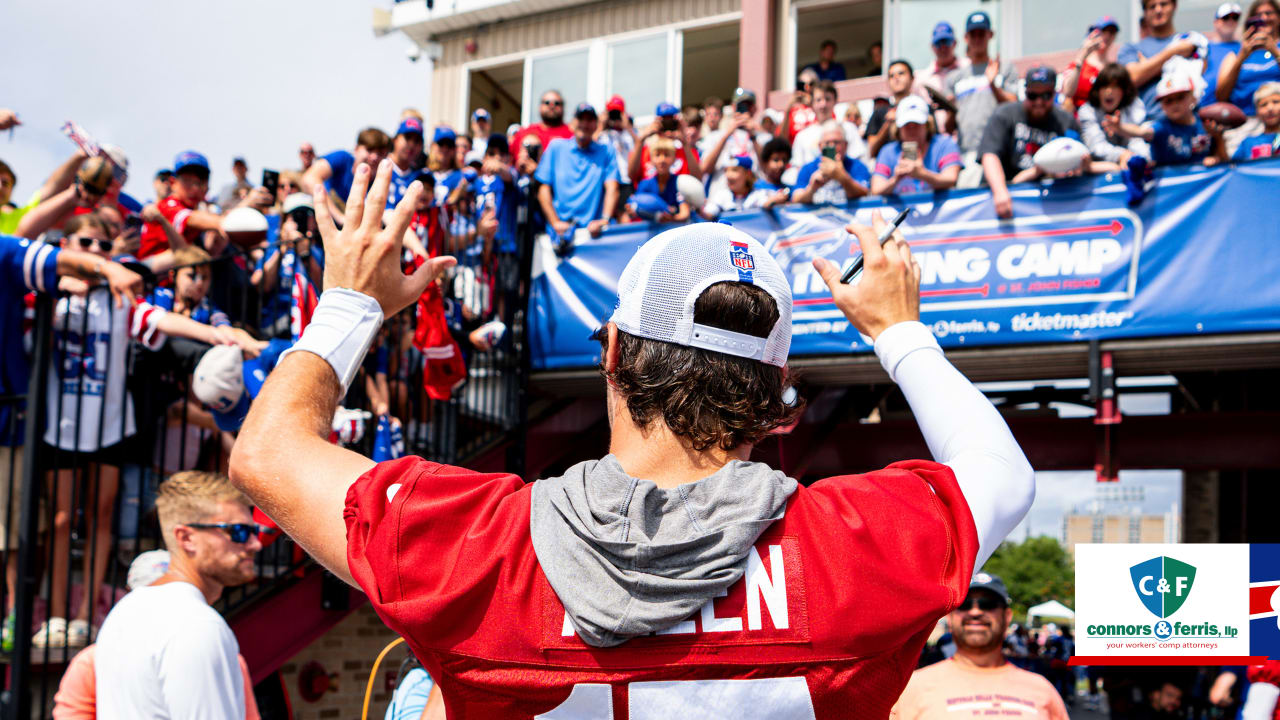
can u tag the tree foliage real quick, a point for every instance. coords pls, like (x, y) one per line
(1034, 571)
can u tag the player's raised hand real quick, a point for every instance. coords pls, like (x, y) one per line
(889, 291)
(364, 256)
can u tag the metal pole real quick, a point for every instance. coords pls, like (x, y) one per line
(17, 698)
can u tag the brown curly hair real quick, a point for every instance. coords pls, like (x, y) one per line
(708, 398)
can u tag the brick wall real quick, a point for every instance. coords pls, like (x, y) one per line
(349, 650)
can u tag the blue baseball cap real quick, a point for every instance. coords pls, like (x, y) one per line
(585, 108)
(189, 158)
(445, 135)
(1104, 22)
(481, 114)
(1041, 75)
(977, 20)
(942, 33)
(666, 109)
(743, 161)
(410, 126)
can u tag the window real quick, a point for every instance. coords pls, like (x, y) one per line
(638, 72)
(566, 72)
(1050, 27)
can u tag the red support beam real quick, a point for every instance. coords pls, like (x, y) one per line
(755, 49)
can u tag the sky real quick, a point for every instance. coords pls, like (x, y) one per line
(225, 78)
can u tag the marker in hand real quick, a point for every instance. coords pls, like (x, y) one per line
(885, 234)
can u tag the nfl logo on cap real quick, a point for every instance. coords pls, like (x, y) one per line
(742, 260)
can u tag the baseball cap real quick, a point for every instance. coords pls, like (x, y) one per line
(977, 20)
(663, 280)
(942, 32)
(1104, 22)
(498, 141)
(444, 135)
(147, 568)
(410, 125)
(986, 581)
(481, 114)
(1227, 8)
(1174, 83)
(742, 161)
(473, 157)
(119, 159)
(190, 158)
(218, 382)
(1042, 75)
(297, 200)
(616, 103)
(585, 108)
(666, 109)
(743, 94)
(911, 109)
(164, 174)
(239, 160)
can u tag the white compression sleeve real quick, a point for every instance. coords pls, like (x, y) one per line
(964, 431)
(341, 329)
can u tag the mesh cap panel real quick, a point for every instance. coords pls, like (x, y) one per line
(661, 283)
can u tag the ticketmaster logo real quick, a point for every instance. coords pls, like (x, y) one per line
(1034, 322)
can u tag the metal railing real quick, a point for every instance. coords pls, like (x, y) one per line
(105, 421)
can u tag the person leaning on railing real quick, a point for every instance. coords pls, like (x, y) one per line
(28, 266)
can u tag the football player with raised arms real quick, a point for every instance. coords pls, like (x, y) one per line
(673, 577)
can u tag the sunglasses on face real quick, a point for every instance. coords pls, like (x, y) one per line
(86, 243)
(1046, 95)
(985, 603)
(239, 532)
(556, 103)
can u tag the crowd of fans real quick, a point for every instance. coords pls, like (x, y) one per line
(965, 121)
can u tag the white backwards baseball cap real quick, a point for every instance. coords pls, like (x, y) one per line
(911, 109)
(662, 282)
(218, 382)
(147, 568)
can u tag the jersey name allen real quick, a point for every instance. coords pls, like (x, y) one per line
(766, 605)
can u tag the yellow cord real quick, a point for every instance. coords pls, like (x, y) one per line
(368, 690)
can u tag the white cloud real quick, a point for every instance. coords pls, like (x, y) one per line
(227, 78)
(1058, 493)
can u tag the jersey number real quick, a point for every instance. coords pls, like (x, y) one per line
(784, 698)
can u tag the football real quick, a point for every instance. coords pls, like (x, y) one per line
(1223, 113)
(245, 226)
(1061, 155)
(691, 188)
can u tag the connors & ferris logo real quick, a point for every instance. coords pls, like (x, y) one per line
(1162, 584)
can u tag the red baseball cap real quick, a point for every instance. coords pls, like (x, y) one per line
(615, 103)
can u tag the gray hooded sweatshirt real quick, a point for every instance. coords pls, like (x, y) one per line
(627, 558)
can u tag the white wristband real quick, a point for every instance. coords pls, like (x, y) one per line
(341, 330)
(900, 340)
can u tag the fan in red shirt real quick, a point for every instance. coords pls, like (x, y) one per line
(668, 122)
(672, 577)
(551, 110)
(190, 182)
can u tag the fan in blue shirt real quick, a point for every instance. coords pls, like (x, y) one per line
(828, 181)
(580, 179)
(337, 170)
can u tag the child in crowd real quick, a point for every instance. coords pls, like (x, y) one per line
(740, 192)
(91, 416)
(662, 153)
(775, 156)
(189, 294)
(1180, 136)
(1111, 119)
(1266, 102)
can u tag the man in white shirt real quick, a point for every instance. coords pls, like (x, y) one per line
(805, 149)
(162, 651)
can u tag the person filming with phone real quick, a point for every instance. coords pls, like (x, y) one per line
(835, 178)
(1244, 72)
(734, 142)
(916, 159)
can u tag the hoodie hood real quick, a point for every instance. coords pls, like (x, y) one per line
(627, 558)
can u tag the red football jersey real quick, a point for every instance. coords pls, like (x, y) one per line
(828, 620)
(153, 240)
(1268, 672)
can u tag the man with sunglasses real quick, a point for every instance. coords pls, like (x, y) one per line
(1017, 131)
(163, 651)
(552, 127)
(978, 676)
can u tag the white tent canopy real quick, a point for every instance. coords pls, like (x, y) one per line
(1051, 609)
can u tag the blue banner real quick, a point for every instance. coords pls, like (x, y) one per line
(1076, 262)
